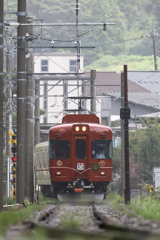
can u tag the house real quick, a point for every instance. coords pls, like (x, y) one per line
(141, 100)
(60, 83)
(57, 62)
(147, 79)
(55, 72)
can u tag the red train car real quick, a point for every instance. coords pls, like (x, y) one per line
(80, 156)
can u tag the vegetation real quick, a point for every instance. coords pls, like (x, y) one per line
(14, 217)
(144, 151)
(72, 221)
(116, 159)
(144, 147)
(131, 36)
(146, 205)
(149, 148)
(115, 63)
(42, 112)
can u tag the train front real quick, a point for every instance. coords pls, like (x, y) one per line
(80, 162)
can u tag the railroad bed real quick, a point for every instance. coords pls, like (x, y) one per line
(80, 222)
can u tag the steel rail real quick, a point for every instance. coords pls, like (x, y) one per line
(112, 231)
(123, 231)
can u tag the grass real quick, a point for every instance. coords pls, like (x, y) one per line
(148, 207)
(115, 63)
(72, 221)
(12, 216)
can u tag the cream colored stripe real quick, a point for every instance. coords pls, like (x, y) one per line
(78, 171)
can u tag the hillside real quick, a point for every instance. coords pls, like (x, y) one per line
(115, 63)
(134, 20)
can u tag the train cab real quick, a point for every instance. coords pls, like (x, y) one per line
(80, 155)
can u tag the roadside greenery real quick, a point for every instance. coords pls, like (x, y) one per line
(147, 205)
(144, 147)
(144, 151)
(71, 221)
(12, 216)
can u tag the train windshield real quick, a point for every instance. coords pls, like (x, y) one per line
(102, 149)
(59, 149)
(80, 149)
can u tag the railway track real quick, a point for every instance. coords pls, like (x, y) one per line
(79, 222)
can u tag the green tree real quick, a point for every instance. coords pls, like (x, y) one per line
(144, 147)
(116, 159)
(132, 18)
(150, 151)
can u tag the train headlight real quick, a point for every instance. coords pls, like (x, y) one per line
(102, 173)
(58, 173)
(84, 128)
(77, 129)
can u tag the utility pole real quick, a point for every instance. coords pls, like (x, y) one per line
(1, 103)
(154, 50)
(8, 116)
(153, 35)
(21, 102)
(125, 115)
(83, 90)
(29, 113)
(37, 112)
(126, 137)
(65, 94)
(122, 184)
(93, 91)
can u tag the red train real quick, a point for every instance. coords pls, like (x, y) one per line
(80, 158)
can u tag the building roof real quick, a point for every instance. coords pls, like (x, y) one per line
(111, 83)
(147, 99)
(150, 115)
(149, 80)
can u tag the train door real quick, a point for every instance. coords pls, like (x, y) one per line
(80, 157)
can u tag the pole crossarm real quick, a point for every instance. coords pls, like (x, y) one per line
(57, 24)
(60, 75)
(55, 47)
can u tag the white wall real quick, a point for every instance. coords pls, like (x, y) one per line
(60, 63)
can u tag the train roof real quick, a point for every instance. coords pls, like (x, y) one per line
(80, 118)
(41, 146)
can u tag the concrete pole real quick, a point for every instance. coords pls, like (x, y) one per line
(122, 185)
(83, 87)
(21, 102)
(8, 175)
(154, 50)
(45, 102)
(1, 104)
(37, 112)
(8, 117)
(93, 91)
(65, 94)
(29, 114)
(126, 138)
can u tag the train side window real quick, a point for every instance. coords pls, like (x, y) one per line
(59, 149)
(110, 149)
(81, 149)
(101, 149)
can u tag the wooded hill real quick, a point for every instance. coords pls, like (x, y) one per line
(130, 36)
